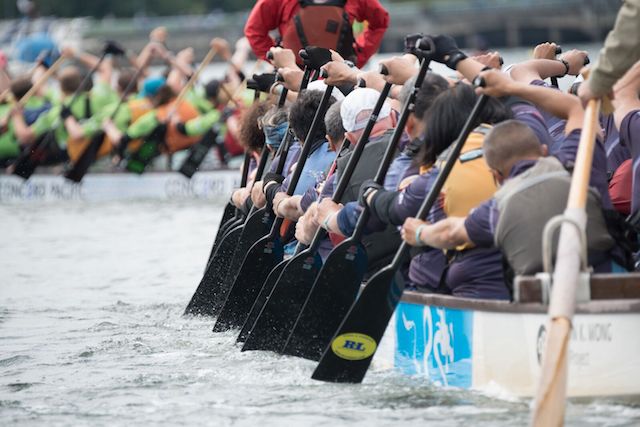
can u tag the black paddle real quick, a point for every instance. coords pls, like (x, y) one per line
(339, 280)
(231, 213)
(203, 300)
(206, 300)
(268, 251)
(554, 80)
(26, 164)
(349, 355)
(278, 316)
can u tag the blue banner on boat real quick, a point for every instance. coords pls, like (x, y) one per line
(436, 342)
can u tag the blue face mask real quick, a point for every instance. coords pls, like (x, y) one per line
(274, 134)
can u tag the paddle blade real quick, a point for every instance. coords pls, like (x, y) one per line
(274, 323)
(203, 301)
(197, 153)
(86, 159)
(260, 301)
(265, 254)
(228, 214)
(226, 228)
(333, 292)
(257, 226)
(352, 347)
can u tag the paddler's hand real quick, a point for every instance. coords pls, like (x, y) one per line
(186, 56)
(325, 209)
(292, 78)
(576, 60)
(372, 80)
(68, 52)
(221, 46)
(112, 131)
(159, 35)
(497, 84)
(491, 59)
(400, 68)
(283, 58)
(278, 199)
(239, 197)
(409, 229)
(307, 226)
(257, 195)
(339, 73)
(545, 51)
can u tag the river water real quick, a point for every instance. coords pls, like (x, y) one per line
(91, 332)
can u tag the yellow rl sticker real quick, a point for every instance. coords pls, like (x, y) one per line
(353, 346)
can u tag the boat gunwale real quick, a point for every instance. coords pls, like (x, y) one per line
(502, 306)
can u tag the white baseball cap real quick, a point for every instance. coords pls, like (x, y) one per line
(320, 86)
(357, 106)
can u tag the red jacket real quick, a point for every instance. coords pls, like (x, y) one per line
(269, 15)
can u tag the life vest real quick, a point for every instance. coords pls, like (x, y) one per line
(174, 140)
(321, 23)
(470, 183)
(528, 201)
(75, 147)
(138, 107)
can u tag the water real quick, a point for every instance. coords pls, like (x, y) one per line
(91, 332)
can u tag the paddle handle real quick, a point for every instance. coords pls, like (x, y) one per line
(37, 85)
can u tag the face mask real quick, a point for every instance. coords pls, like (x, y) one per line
(274, 134)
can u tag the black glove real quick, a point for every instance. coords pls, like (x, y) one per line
(65, 112)
(447, 51)
(410, 42)
(316, 57)
(264, 81)
(113, 48)
(366, 188)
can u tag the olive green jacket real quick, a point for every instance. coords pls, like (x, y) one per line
(621, 49)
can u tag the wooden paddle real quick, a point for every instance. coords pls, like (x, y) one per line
(339, 280)
(26, 164)
(550, 398)
(277, 318)
(349, 355)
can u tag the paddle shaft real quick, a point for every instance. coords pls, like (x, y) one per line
(304, 153)
(434, 193)
(551, 393)
(43, 79)
(346, 175)
(192, 80)
(389, 155)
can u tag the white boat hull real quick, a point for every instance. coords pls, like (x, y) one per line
(100, 187)
(499, 352)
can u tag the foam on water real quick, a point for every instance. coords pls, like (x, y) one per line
(91, 331)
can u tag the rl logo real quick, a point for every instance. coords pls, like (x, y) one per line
(353, 345)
